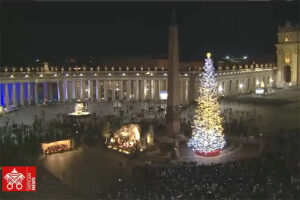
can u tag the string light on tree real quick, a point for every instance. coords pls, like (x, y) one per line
(207, 136)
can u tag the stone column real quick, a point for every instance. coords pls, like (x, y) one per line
(166, 85)
(159, 88)
(143, 86)
(14, 94)
(97, 90)
(58, 91)
(128, 89)
(105, 90)
(36, 95)
(136, 90)
(121, 90)
(29, 92)
(186, 90)
(145, 90)
(113, 90)
(81, 89)
(45, 90)
(142, 93)
(156, 90)
(152, 89)
(6, 96)
(51, 91)
(21, 94)
(73, 90)
(91, 89)
(65, 88)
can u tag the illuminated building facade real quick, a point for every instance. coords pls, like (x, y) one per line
(288, 56)
(27, 85)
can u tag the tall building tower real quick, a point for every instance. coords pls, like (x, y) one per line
(173, 111)
(288, 56)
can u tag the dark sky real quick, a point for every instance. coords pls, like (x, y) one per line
(60, 30)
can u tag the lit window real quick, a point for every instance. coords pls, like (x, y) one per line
(286, 39)
(287, 58)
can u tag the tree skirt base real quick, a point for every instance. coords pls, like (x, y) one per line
(208, 154)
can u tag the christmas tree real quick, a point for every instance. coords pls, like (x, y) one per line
(207, 135)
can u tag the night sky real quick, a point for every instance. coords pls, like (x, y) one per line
(57, 31)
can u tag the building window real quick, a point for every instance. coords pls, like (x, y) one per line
(230, 82)
(254, 81)
(287, 58)
(237, 84)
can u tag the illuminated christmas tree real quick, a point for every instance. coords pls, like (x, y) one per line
(207, 136)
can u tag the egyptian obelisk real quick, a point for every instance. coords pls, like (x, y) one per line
(173, 110)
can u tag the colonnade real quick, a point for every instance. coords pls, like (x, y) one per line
(32, 92)
(19, 91)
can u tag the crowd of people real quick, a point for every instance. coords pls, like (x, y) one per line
(23, 141)
(275, 175)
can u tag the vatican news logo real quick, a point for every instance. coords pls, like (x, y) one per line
(18, 179)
